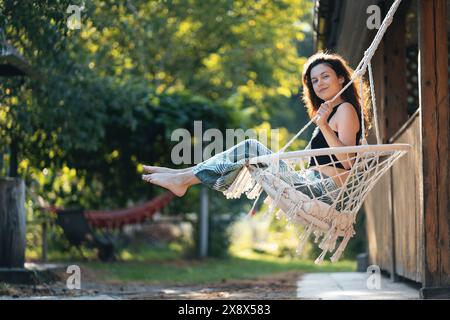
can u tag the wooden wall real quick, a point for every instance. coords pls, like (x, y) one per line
(413, 200)
(353, 36)
(406, 175)
(408, 211)
(435, 132)
(378, 210)
(394, 54)
(378, 204)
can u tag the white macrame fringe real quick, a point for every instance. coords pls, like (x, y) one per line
(281, 195)
(303, 239)
(241, 184)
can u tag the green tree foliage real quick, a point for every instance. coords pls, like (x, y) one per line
(221, 49)
(105, 98)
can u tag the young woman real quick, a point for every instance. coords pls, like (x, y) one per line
(338, 125)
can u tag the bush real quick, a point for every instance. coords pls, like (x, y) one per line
(219, 239)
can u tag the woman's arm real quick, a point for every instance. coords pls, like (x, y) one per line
(347, 125)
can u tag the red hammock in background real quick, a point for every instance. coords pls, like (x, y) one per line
(113, 219)
(93, 227)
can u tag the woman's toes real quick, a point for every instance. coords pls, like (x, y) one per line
(147, 169)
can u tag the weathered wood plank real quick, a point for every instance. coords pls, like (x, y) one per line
(395, 70)
(407, 207)
(434, 103)
(378, 209)
(378, 205)
(443, 100)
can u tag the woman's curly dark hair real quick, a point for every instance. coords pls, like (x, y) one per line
(350, 95)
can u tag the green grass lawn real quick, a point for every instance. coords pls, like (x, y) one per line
(165, 265)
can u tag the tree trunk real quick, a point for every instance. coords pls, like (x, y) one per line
(12, 223)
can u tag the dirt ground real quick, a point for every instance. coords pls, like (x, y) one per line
(270, 287)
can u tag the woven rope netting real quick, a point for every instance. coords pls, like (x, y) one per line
(327, 204)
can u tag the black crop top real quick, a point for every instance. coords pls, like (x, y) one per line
(318, 141)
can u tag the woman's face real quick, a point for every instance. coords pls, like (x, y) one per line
(325, 81)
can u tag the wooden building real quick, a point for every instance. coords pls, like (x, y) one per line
(408, 212)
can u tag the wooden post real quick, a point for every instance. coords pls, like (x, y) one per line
(44, 241)
(12, 223)
(434, 106)
(204, 216)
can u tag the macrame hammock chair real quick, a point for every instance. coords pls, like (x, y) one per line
(329, 221)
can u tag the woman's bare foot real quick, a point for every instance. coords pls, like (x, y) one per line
(155, 169)
(176, 183)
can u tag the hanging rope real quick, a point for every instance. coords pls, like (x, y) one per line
(374, 105)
